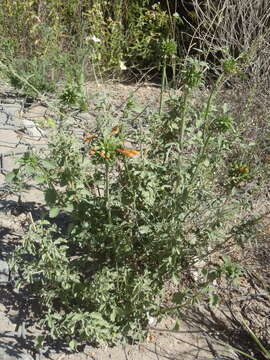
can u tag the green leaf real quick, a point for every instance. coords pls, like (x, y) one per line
(29, 169)
(176, 326)
(175, 279)
(11, 175)
(39, 341)
(27, 157)
(69, 208)
(148, 196)
(213, 299)
(178, 298)
(144, 229)
(54, 212)
(40, 179)
(51, 123)
(49, 165)
(73, 344)
(50, 196)
(113, 315)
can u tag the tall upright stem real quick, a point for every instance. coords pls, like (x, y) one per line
(107, 193)
(162, 86)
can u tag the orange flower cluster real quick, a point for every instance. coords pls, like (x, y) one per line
(128, 152)
(88, 138)
(243, 170)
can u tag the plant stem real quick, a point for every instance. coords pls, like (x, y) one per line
(182, 121)
(181, 127)
(164, 77)
(206, 134)
(107, 193)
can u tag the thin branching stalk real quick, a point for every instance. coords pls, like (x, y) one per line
(163, 84)
(107, 192)
(181, 127)
(206, 133)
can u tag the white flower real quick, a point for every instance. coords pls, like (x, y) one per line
(152, 321)
(122, 65)
(95, 39)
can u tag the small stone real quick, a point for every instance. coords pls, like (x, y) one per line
(36, 112)
(88, 119)
(4, 273)
(30, 129)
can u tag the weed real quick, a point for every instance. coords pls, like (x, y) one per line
(137, 218)
(73, 94)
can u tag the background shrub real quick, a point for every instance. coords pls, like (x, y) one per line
(104, 37)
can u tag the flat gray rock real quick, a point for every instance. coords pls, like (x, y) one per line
(9, 353)
(87, 119)
(9, 112)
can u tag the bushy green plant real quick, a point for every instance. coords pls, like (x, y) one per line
(137, 219)
(73, 93)
(33, 77)
(148, 28)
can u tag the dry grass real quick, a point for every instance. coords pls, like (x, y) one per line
(235, 28)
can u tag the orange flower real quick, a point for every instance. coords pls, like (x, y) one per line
(92, 151)
(115, 130)
(243, 170)
(104, 155)
(88, 137)
(128, 152)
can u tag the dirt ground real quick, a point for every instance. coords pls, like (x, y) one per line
(203, 329)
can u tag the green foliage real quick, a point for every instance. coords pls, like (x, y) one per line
(32, 76)
(73, 94)
(148, 28)
(136, 220)
(100, 36)
(230, 66)
(137, 33)
(239, 173)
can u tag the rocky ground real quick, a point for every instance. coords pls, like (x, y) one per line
(197, 336)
